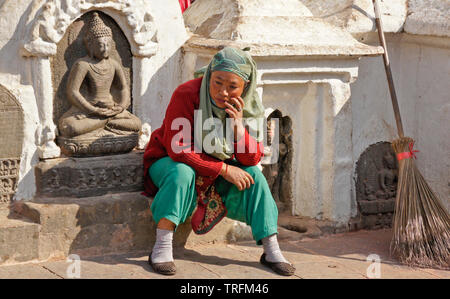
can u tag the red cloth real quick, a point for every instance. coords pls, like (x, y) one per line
(184, 101)
(184, 4)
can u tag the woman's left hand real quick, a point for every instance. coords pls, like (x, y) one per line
(236, 111)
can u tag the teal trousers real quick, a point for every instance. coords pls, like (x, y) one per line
(177, 197)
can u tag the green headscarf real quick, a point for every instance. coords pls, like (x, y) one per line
(242, 64)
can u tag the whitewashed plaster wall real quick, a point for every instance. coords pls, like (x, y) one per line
(419, 51)
(421, 70)
(15, 74)
(157, 68)
(419, 48)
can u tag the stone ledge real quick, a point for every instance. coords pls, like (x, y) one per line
(112, 223)
(210, 46)
(94, 176)
(54, 228)
(101, 225)
(216, 23)
(18, 238)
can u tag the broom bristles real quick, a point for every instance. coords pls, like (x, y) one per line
(421, 225)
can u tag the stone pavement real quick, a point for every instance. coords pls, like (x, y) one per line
(334, 256)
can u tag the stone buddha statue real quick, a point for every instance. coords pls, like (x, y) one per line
(96, 113)
(387, 177)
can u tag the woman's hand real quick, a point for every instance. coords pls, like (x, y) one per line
(235, 109)
(238, 177)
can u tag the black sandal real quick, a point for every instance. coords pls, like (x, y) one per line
(166, 268)
(281, 268)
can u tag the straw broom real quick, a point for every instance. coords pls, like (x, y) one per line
(421, 225)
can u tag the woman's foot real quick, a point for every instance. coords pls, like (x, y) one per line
(282, 268)
(164, 268)
(161, 258)
(273, 258)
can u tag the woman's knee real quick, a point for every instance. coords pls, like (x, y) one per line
(255, 172)
(181, 174)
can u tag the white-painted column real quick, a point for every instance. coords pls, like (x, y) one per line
(337, 162)
(42, 83)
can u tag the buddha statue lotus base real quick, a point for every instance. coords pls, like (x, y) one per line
(90, 145)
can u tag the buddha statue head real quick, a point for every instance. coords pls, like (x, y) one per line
(389, 161)
(98, 38)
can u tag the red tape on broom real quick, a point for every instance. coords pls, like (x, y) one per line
(406, 155)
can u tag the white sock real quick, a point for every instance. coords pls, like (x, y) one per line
(162, 250)
(272, 250)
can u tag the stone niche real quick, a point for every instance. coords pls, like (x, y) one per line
(11, 138)
(71, 48)
(376, 185)
(277, 160)
(51, 47)
(91, 171)
(99, 160)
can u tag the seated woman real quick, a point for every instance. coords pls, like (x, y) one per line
(187, 175)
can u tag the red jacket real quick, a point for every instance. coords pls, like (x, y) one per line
(184, 101)
(184, 4)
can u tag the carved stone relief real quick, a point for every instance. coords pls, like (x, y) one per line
(47, 23)
(279, 174)
(81, 177)
(71, 48)
(376, 185)
(93, 89)
(54, 16)
(11, 138)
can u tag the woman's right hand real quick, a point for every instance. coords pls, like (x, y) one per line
(237, 176)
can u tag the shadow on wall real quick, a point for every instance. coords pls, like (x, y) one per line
(158, 92)
(17, 66)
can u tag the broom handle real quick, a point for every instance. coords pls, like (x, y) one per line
(387, 66)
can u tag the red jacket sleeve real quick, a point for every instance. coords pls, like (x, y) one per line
(248, 151)
(179, 135)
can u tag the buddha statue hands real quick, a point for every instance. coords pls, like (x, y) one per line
(107, 111)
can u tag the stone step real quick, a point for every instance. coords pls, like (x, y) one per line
(90, 226)
(108, 224)
(4, 210)
(19, 238)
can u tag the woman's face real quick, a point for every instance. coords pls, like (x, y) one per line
(225, 85)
